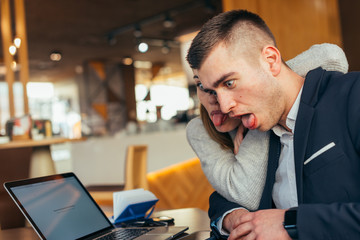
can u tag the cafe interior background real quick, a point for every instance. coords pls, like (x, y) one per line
(112, 73)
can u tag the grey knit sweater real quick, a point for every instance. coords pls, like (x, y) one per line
(240, 178)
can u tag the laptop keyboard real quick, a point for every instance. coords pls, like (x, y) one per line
(125, 233)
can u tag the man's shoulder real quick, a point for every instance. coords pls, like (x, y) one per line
(320, 74)
(319, 82)
(336, 81)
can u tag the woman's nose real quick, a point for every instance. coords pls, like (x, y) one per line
(213, 99)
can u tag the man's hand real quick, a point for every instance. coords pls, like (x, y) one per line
(260, 225)
(238, 138)
(232, 218)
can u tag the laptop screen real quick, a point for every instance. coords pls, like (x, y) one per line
(59, 207)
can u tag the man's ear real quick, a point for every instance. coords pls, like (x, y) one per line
(272, 57)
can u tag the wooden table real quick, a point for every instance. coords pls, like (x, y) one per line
(23, 159)
(195, 218)
(34, 152)
(36, 143)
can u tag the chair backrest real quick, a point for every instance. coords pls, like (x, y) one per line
(182, 185)
(136, 167)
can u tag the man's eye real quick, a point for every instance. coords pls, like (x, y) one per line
(230, 83)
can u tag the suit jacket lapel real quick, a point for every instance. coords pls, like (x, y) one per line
(304, 117)
(300, 142)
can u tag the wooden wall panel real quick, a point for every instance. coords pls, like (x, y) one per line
(296, 24)
(349, 14)
(7, 34)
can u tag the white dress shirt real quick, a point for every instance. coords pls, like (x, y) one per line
(285, 192)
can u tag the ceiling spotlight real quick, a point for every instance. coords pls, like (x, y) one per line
(168, 22)
(12, 50)
(13, 65)
(143, 47)
(137, 31)
(17, 42)
(111, 40)
(55, 56)
(127, 61)
(79, 69)
(165, 49)
(209, 7)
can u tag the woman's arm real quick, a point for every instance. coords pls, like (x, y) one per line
(240, 178)
(326, 55)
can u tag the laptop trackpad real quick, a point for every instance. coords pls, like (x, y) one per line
(200, 235)
(162, 233)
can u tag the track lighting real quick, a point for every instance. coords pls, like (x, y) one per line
(166, 18)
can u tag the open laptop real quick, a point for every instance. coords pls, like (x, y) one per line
(59, 207)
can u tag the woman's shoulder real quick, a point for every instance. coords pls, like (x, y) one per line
(195, 125)
(195, 122)
(195, 128)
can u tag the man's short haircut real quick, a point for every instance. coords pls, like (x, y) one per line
(236, 26)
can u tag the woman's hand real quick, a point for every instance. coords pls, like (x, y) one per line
(238, 138)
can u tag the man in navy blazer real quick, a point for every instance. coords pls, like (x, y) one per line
(312, 190)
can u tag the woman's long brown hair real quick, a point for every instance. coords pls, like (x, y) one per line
(223, 139)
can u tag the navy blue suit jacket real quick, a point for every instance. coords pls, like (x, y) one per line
(327, 134)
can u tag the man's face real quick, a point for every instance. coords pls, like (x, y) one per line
(222, 122)
(244, 89)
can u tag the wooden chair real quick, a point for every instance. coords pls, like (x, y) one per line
(135, 176)
(136, 167)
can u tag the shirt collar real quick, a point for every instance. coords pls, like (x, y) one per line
(291, 117)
